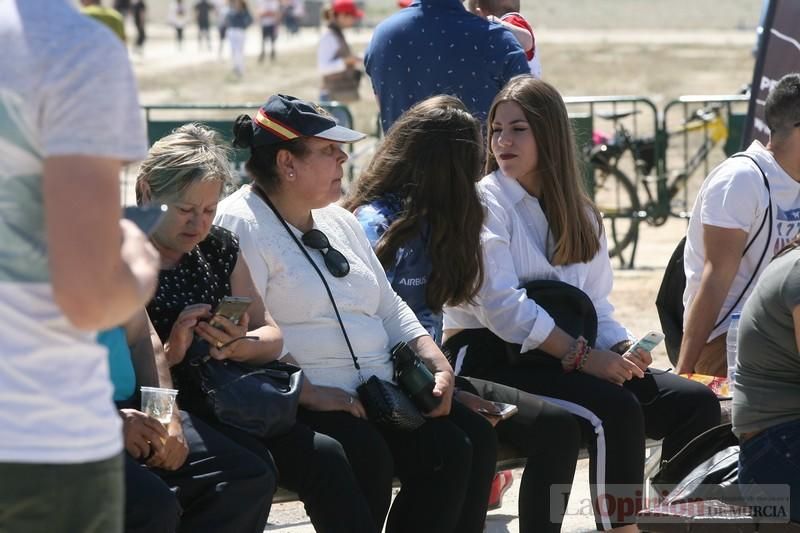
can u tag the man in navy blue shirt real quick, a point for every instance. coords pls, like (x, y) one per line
(438, 47)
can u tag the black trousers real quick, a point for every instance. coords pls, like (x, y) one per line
(445, 468)
(614, 419)
(316, 467)
(549, 437)
(221, 487)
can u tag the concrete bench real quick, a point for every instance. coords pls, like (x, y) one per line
(509, 458)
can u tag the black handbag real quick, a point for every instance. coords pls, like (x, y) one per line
(259, 400)
(706, 458)
(385, 403)
(570, 308)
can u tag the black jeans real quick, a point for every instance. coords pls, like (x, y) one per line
(614, 420)
(445, 468)
(315, 467)
(550, 438)
(221, 487)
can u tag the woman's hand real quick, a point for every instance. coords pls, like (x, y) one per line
(180, 337)
(640, 357)
(175, 450)
(611, 367)
(479, 405)
(219, 332)
(319, 398)
(443, 387)
(142, 434)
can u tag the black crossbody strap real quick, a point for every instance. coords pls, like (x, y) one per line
(261, 194)
(767, 216)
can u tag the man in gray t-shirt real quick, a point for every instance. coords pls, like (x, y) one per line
(766, 397)
(767, 388)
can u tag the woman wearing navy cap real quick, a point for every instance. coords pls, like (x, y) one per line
(315, 269)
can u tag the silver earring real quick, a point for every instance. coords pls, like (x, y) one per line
(291, 174)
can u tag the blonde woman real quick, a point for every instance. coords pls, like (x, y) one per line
(540, 225)
(201, 264)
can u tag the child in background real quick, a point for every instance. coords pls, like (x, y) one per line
(506, 12)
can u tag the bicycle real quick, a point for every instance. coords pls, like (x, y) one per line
(617, 196)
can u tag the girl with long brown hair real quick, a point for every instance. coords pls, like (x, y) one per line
(540, 225)
(418, 203)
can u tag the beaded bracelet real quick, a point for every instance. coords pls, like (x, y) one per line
(584, 357)
(576, 356)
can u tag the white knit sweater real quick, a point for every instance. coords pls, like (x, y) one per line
(373, 315)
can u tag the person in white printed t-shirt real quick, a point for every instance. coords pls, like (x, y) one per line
(731, 205)
(69, 118)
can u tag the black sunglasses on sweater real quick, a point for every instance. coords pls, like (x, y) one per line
(335, 261)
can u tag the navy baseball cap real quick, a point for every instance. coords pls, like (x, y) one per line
(283, 118)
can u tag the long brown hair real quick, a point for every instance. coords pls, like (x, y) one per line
(574, 220)
(431, 159)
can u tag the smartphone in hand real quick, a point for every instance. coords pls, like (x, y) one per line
(501, 410)
(232, 308)
(648, 342)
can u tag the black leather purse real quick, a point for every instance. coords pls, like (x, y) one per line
(710, 458)
(260, 400)
(387, 405)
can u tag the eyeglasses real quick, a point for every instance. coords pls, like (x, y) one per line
(335, 261)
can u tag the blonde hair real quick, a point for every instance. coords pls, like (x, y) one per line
(575, 222)
(191, 153)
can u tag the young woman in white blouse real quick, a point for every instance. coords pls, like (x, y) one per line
(541, 225)
(304, 254)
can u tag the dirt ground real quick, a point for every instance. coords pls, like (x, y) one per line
(658, 49)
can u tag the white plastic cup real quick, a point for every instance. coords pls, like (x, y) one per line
(159, 403)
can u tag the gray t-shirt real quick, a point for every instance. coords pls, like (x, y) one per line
(767, 388)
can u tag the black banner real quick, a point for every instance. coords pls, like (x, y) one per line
(778, 54)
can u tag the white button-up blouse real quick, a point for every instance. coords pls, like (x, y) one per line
(516, 243)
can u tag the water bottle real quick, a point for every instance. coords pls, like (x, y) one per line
(414, 378)
(730, 339)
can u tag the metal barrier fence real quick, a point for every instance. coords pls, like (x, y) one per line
(163, 119)
(638, 162)
(642, 169)
(702, 130)
(622, 140)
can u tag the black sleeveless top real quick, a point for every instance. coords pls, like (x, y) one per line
(203, 276)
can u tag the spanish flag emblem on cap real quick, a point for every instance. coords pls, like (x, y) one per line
(276, 128)
(284, 118)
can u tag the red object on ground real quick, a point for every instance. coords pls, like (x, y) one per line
(500, 484)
